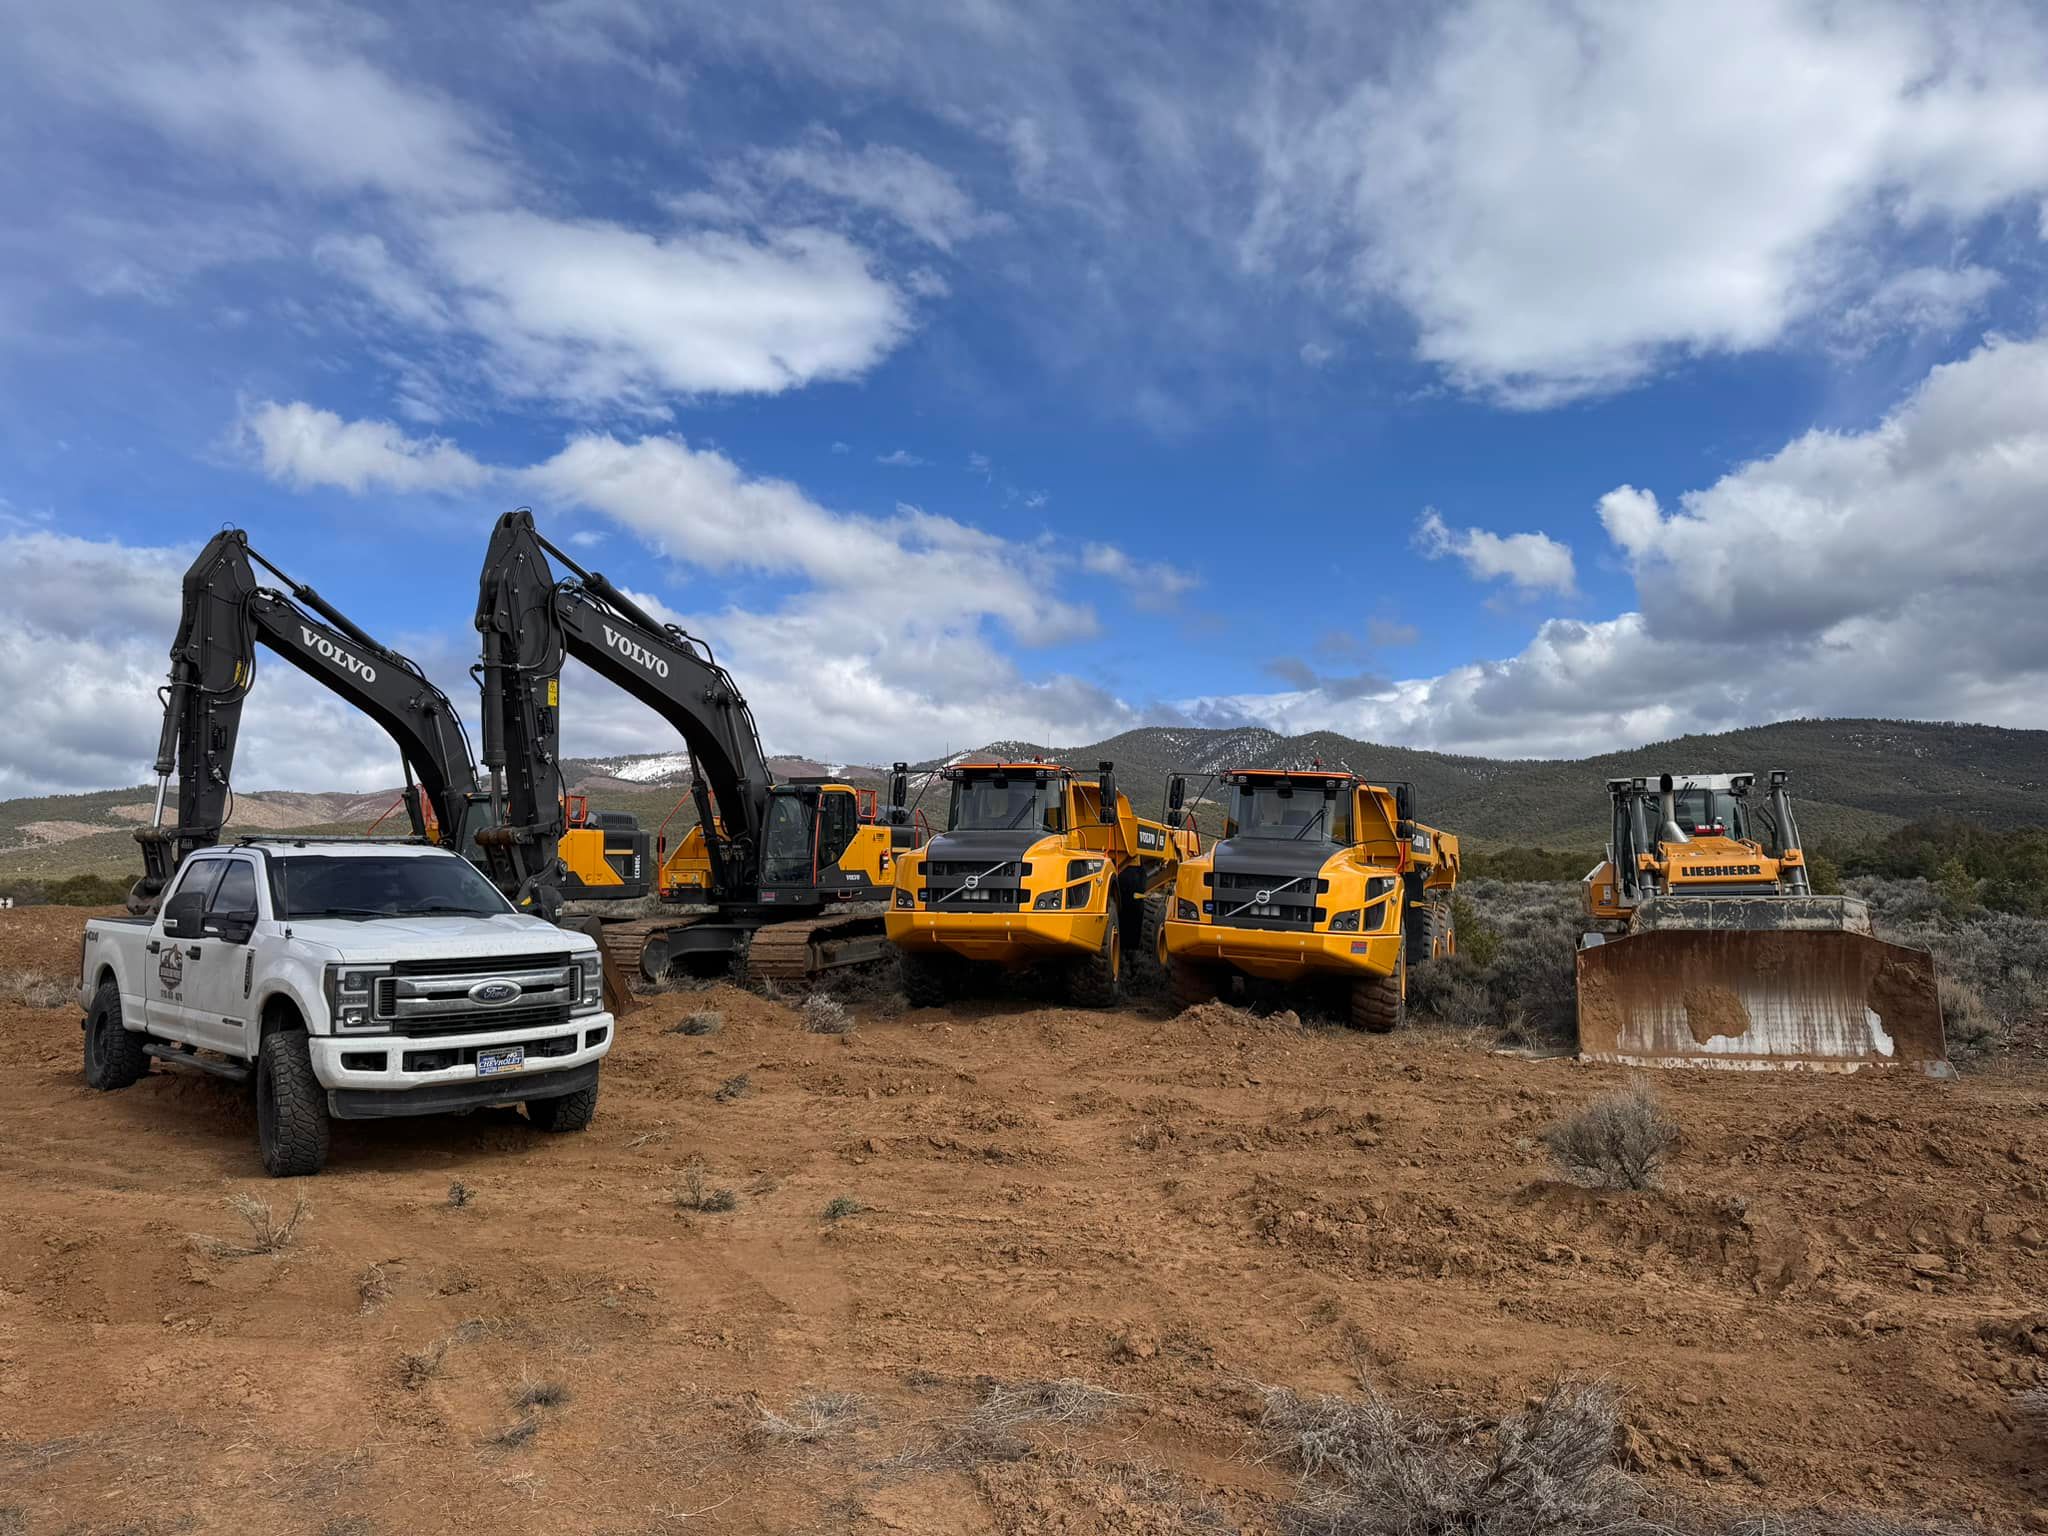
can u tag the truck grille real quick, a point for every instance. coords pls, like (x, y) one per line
(432, 997)
(1251, 900)
(994, 888)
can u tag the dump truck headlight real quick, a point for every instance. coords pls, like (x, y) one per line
(1346, 922)
(1185, 910)
(905, 899)
(1049, 902)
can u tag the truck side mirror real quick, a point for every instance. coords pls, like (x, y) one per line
(1404, 802)
(185, 916)
(899, 786)
(1105, 788)
(234, 927)
(1176, 795)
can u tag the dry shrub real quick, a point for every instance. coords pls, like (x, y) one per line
(532, 1394)
(1369, 1466)
(811, 1419)
(1452, 992)
(988, 1431)
(416, 1369)
(460, 1194)
(1619, 1141)
(706, 1021)
(824, 1014)
(843, 1205)
(732, 1088)
(32, 989)
(266, 1233)
(373, 1287)
(698, 1195)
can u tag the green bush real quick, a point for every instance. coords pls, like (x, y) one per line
(71, 891)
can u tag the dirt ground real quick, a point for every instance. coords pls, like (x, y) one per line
(1832, 1302)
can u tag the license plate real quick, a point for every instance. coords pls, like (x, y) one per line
(490, 1063)
(973, 896)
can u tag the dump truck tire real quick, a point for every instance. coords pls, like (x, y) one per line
(1191, 984)
(929, 981)
(1148, 960)
(1426, 927)
(1379, 1004)
(114, 1057)
(1097, 981)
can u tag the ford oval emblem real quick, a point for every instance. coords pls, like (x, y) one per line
(492, 993)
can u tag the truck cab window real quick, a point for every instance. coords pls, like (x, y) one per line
(236, 892)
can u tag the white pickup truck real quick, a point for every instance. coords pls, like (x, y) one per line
(351, 980)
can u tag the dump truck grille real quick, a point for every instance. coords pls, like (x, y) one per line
(967, 885)
(1251, 899)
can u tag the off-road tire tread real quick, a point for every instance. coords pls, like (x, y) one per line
(565, 1112)
(929, 981)
(1378, 1003)
(1144, 966)
(121, 1062)
(298, 1149)
(1092, 982)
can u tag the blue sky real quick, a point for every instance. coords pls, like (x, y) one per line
(1505, 378)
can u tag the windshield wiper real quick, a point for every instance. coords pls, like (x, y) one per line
(345, 912)
(1028, 807)
(445, 909)
(1309, 825)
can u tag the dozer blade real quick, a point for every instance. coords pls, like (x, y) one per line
(1831, 1002)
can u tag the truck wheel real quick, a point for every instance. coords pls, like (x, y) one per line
(929, 981)
(1148, 960)
(1379, 1004)
(1097, 981)
(291, 1107)
(564, 1112)
(1424, 926)
(113, 1055)
(1191, 983)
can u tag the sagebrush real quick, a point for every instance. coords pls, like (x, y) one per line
(1619, 1141)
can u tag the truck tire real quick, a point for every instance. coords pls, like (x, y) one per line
(1097, 981)
(1148, 960)
(291, 1107)
(564, 1112)
(1191, 983)
(113, 1055)
(929, 981)
(1423, 929)
(1379, 1004)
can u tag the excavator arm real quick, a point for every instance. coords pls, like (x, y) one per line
(227, 613)
(530, 622)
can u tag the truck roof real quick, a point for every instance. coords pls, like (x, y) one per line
(1313, 775)
(341, 847)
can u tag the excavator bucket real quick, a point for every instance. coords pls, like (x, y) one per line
(1759, 985)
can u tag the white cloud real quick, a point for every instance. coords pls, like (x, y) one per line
(901, 458)
(1155, 585)
(904, 186)
(307, 447)
(1931, 301)
(1562, 193)
(1533, 562)
(85, 645)
(1316, 354)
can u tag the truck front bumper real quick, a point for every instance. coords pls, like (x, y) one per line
(369, 1077)
(1283, 954)
(999, 938)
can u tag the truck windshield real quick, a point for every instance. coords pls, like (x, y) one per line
(1296, 813)
(310, 885)
(1003, 805)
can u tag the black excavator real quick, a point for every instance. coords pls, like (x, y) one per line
(785, 878)
(227, 613)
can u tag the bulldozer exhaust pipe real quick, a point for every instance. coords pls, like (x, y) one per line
(1667, 808)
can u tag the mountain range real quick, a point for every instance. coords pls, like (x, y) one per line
(1852, 780)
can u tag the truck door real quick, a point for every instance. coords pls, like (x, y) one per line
(217, 989)
(838, 821)
(172, 965)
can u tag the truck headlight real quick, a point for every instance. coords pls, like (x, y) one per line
(1185, 910)
(905, 899)
(586, 985)
(1049, 902)
(351, 995)
(1346, 922)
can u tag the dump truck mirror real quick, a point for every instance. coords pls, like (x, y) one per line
(899, 786)
(1105, 787)
(1176, 792)
(1404, 802)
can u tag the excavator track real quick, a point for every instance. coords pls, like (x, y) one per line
(804, 949)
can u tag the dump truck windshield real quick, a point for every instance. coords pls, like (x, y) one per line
(1004, 805)
(307, 886)
(1298, 812)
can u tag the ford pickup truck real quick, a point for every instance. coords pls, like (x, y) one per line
(348, 980)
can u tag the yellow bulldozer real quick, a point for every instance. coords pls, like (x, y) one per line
(1320, 878)
(1710, 948)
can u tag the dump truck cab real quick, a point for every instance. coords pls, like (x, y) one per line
(1320, 877)
(1708, 946)
(1040, 865)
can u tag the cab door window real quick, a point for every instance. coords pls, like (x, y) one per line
(235, 895)
(839, 820)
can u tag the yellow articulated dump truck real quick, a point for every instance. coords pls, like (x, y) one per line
(1039, 867)
(1321, 880)
(1711, 949)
